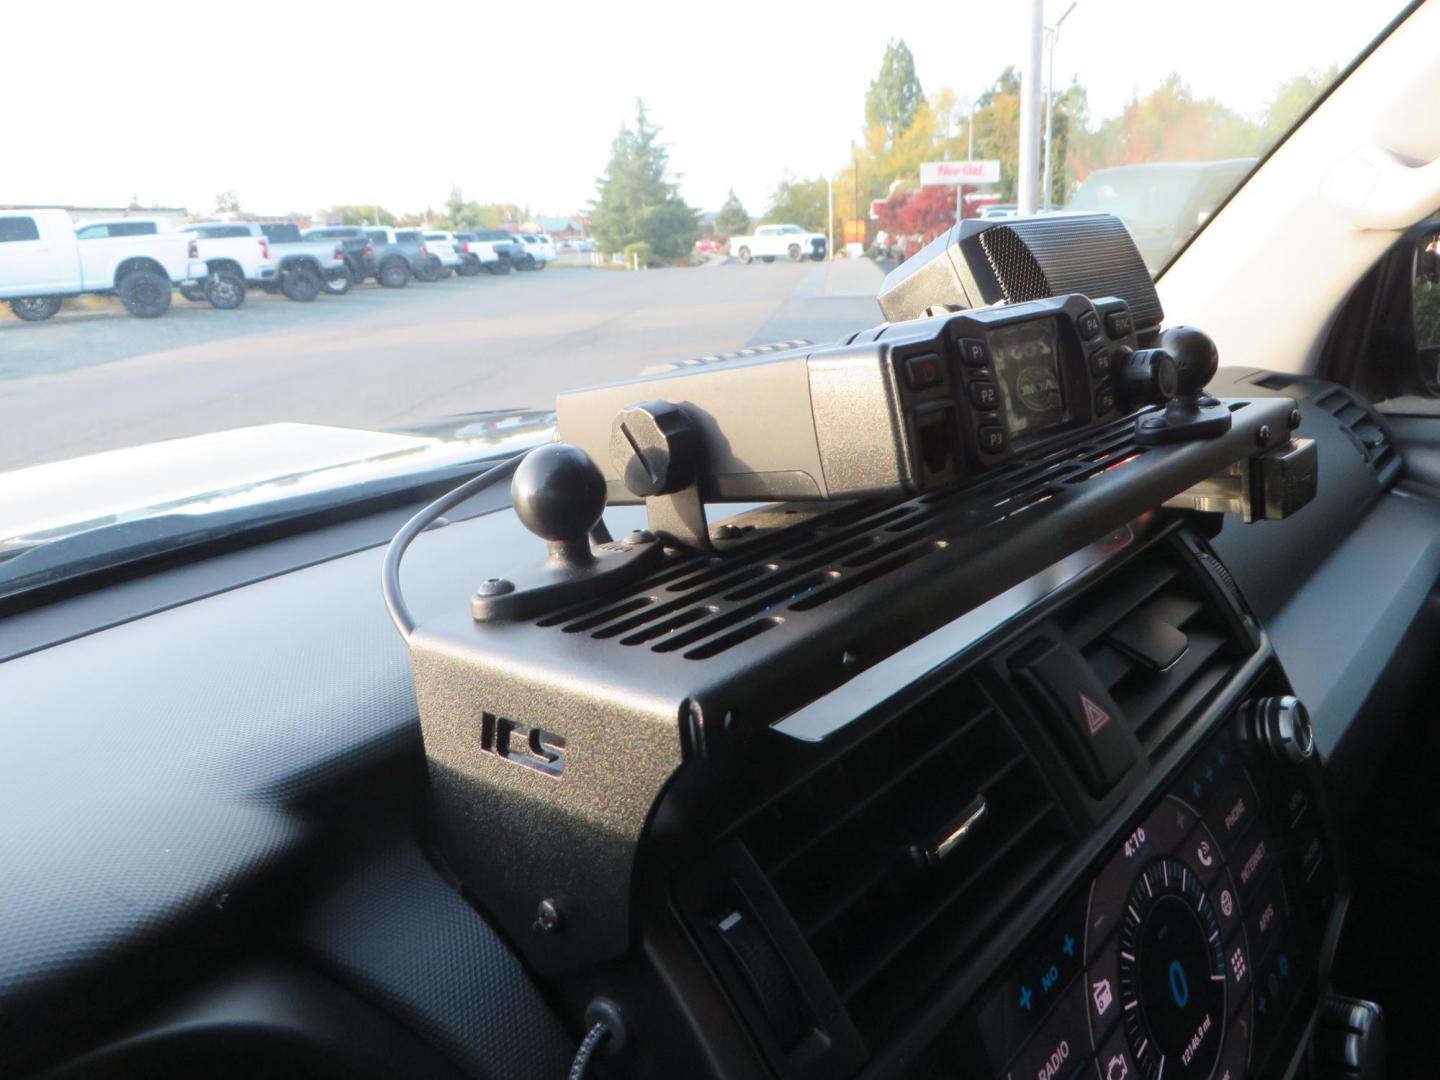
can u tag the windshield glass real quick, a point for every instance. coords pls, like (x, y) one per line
(645, 211)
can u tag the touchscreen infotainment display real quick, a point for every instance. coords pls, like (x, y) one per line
(1027, 367)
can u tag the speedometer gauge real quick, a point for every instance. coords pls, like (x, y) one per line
(1172, 974)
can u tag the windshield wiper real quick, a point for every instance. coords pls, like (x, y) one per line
(130, 543)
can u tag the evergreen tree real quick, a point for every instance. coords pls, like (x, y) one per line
(637, 202)
(732, 220)
(895, 95)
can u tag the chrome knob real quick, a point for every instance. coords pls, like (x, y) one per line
(1282, 726)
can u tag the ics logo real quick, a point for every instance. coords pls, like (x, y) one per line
(520, 744)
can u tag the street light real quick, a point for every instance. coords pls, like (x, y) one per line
(1053, 33)
(830, 218)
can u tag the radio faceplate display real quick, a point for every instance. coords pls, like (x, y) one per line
(1027, 367)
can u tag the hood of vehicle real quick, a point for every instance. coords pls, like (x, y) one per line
(225, 470)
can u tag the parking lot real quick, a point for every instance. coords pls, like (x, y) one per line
(94, 378)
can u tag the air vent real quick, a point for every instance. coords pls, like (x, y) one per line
(1156, 639)
(858, 853)
(1367, 430)
(701, 606)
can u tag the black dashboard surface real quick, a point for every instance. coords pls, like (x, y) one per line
(170, 784)
(163, 779)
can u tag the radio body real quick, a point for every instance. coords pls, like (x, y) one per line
(899, 409)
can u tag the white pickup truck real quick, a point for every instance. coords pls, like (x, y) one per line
(771, 241)
(231, 262)
(43, 260)
(448, 250)
(237, 255)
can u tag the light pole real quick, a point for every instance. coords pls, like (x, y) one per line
(969, 156)
(829, 218)
(1053, 33)
(1029, 165)
(856, 152)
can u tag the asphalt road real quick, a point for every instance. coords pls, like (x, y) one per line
(95, 379)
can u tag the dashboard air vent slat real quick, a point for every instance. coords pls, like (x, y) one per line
(1159, 590)
(841, 849)
(1366, 429)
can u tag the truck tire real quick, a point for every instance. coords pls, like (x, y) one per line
(194, 293)
(469, 266)
(145, 294)
(794, 252)
(744, 254)
(499, 266)
(340, 285)
(301, 284)
(394, 274)
(35, 308)
(767, 258)
(429, 271)
(225, 290)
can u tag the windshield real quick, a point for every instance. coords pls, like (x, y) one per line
(641, 215)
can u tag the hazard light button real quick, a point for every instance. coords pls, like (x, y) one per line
(1079, 712)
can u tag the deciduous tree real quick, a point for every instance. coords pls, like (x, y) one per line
(799, 202)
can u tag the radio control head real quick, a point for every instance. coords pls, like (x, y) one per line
(1196, 359)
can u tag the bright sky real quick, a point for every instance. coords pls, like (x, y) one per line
(301, 105)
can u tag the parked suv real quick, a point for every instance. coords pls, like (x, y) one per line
(42, 260)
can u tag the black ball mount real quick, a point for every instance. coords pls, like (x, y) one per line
(559, 495)
(1176, 373)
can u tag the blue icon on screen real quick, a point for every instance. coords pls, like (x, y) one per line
(1025, 998)
(1068, 946)
(1179, 985)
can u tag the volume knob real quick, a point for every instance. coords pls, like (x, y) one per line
(1282, 726)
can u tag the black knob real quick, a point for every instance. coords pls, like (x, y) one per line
(1147, 377)
(1282, 726)
(1196, 358)
(655, 448)
(559, 494)
(1350, 1040)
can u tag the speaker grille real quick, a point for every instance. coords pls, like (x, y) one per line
(1057, 254)
(1014, 267)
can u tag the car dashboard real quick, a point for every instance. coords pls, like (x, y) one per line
(1063, 829)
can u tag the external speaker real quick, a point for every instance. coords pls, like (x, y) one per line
(1010, 260)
